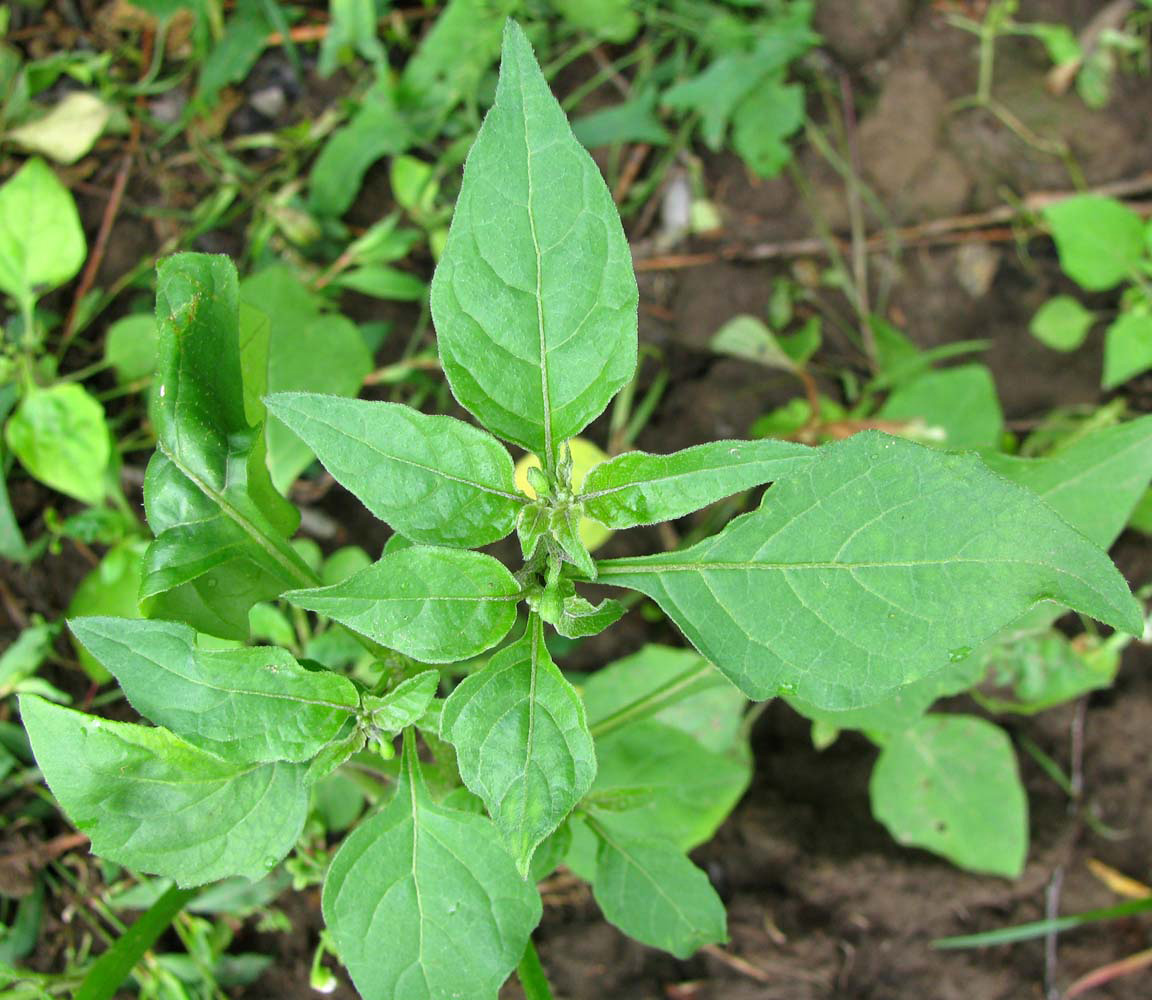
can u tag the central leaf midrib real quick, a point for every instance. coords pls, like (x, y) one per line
(671, 477)
(545, 388)
(414, 805)
(529, 742)
(624, 569)
(199, 682)
(295, 569)
(515, 497)
(416, 597)
(672, 901)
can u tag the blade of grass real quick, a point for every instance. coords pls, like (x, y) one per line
(1025, 932)
(114, 966)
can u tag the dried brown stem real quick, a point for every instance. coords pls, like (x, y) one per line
(111, 209)
(977, 227)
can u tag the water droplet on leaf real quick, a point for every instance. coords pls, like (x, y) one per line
(959, 653)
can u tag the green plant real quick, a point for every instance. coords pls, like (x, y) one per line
(873, 567)
(54, 427)
(969, 804)
(717, 70)
(1092, 59)
(1103, 245)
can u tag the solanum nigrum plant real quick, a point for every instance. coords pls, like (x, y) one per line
(871, 565)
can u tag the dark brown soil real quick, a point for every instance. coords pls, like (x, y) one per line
(822, 903)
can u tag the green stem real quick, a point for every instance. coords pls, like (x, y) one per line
(599, 79)
(28, 317)
(81, 374)
(987, 60)
(532, 976)
(651, 703)
(115, 965)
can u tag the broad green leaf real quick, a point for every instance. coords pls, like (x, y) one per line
(634, 120)
(233, 54)
(237, 895)
(200, 406)
(25, 655)
(433, 478)
(204, 568)
(1127, 348)
(1062, 323)
(388, 283)
(961, 401)
(579, 618)
(249, 704)
(383, 242)
(677, 687)
(1059, 40)
(424, 902)
(719, 90)
(68, 131)
(904, 706)
(376, 130)
(522, 742)
(130, 347)
(351, 740)
(221, 528)
(435, 604)
(716, 93)
(60, 437)
(268, 624)
(405, 704)
(1035, 672)
(253, 336)
(872, 567)
(534, 299)
(292, 353)
(1141, 516)
(763, 123)
(154, 803)
(343, 563)
(637, 488)
(653, 893)
(613, 20)
(749, 338)
(950, 784)
(456, 54)
(414, 184)
(111, 589)
(1100, 240)
(338, 801)
(662, 777)
(41, 240)
(1093, 483)
(352, 30)
(897, 358)
(299, 334)
(12, 544)
(550, 854)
